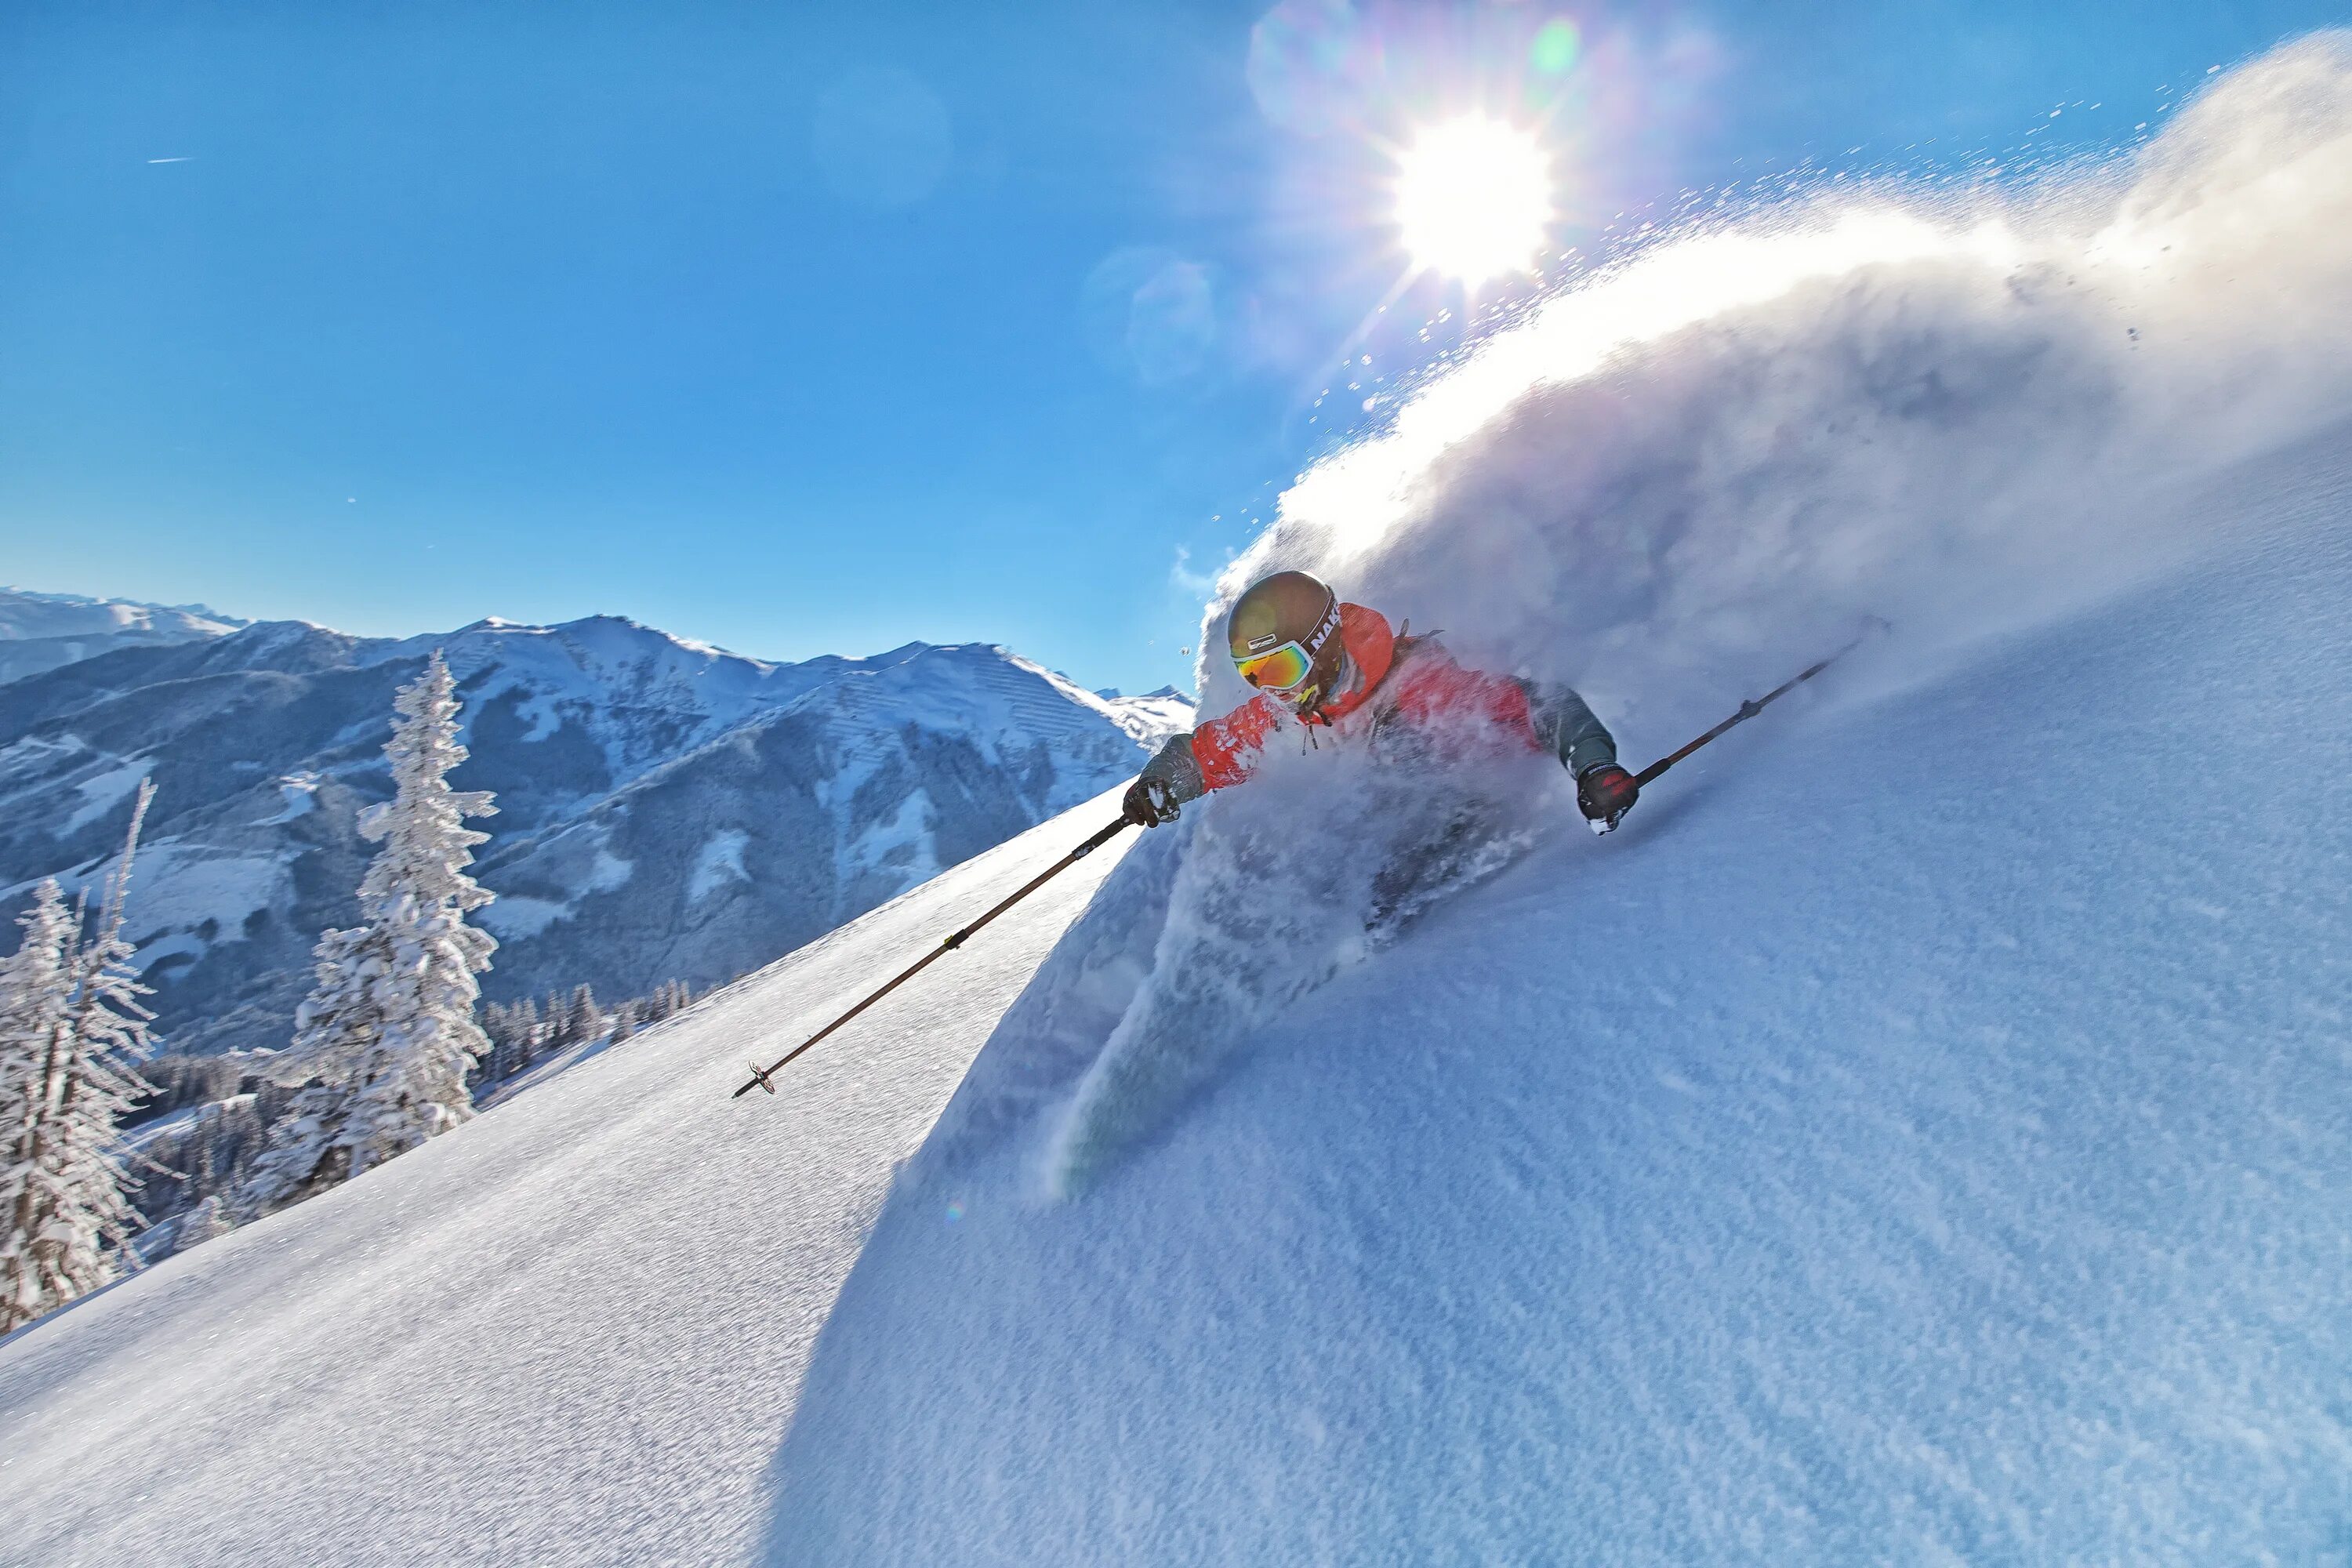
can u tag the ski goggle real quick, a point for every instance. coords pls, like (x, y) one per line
(1277, 669)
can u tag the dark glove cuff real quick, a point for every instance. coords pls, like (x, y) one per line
(1174, 768)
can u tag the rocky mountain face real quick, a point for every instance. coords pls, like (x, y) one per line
(667, 810)
(42, 631)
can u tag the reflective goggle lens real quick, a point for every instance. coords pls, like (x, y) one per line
(1278, 670)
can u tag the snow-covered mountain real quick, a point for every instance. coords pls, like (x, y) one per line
(1152, 717)
(41, 631)
(665, 810)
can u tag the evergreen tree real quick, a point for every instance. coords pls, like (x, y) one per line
(36, 999)
(587, 1018)
(509, 1037)
(513, 1028)
(560, 1024)
(207, 1221)
(71, 1033)
(382, 1043)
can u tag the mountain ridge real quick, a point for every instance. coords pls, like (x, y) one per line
(40, 632)
(756, 804)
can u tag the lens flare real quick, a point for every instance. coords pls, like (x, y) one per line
(1556, 47)
(1474, 198)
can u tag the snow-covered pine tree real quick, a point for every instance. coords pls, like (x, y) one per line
(382, 1042)
(514, 1032)
(35, 999)
(587, 1018)
(71, 1033)
(208, 1221)
(558, 1031)
(502, 1026)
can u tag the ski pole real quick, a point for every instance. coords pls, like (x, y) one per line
(1747, 710)
(761, 1078)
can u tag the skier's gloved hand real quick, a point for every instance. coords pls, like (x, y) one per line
(1604, 791)
(1148, 802)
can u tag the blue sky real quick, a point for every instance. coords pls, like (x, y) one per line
(806, 329)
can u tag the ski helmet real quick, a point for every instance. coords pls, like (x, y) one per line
(1283, 635)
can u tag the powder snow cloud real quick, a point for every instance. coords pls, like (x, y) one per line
(1722, 453)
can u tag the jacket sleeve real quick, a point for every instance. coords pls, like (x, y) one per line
(1552, 716)
(1564, 724)
(1220, 754)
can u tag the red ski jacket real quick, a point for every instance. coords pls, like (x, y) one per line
(1409, 678)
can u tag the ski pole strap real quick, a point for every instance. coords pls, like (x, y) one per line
(761, 1076)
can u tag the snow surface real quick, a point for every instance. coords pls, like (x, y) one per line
(1924, 1134)
(186, 885)
(719, 862)
(569, 1331)
(300, 792)
(104, 790)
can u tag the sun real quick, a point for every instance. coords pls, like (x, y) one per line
(1474, 198)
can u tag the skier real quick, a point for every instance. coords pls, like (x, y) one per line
(1338, 666)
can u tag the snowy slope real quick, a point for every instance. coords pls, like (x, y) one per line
(40, 632)
(1924, 1135)
(1889, 1147)
(1896, 1145)
(572, 1333)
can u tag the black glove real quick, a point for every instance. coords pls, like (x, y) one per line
(1604, 791)
(1148, 802)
